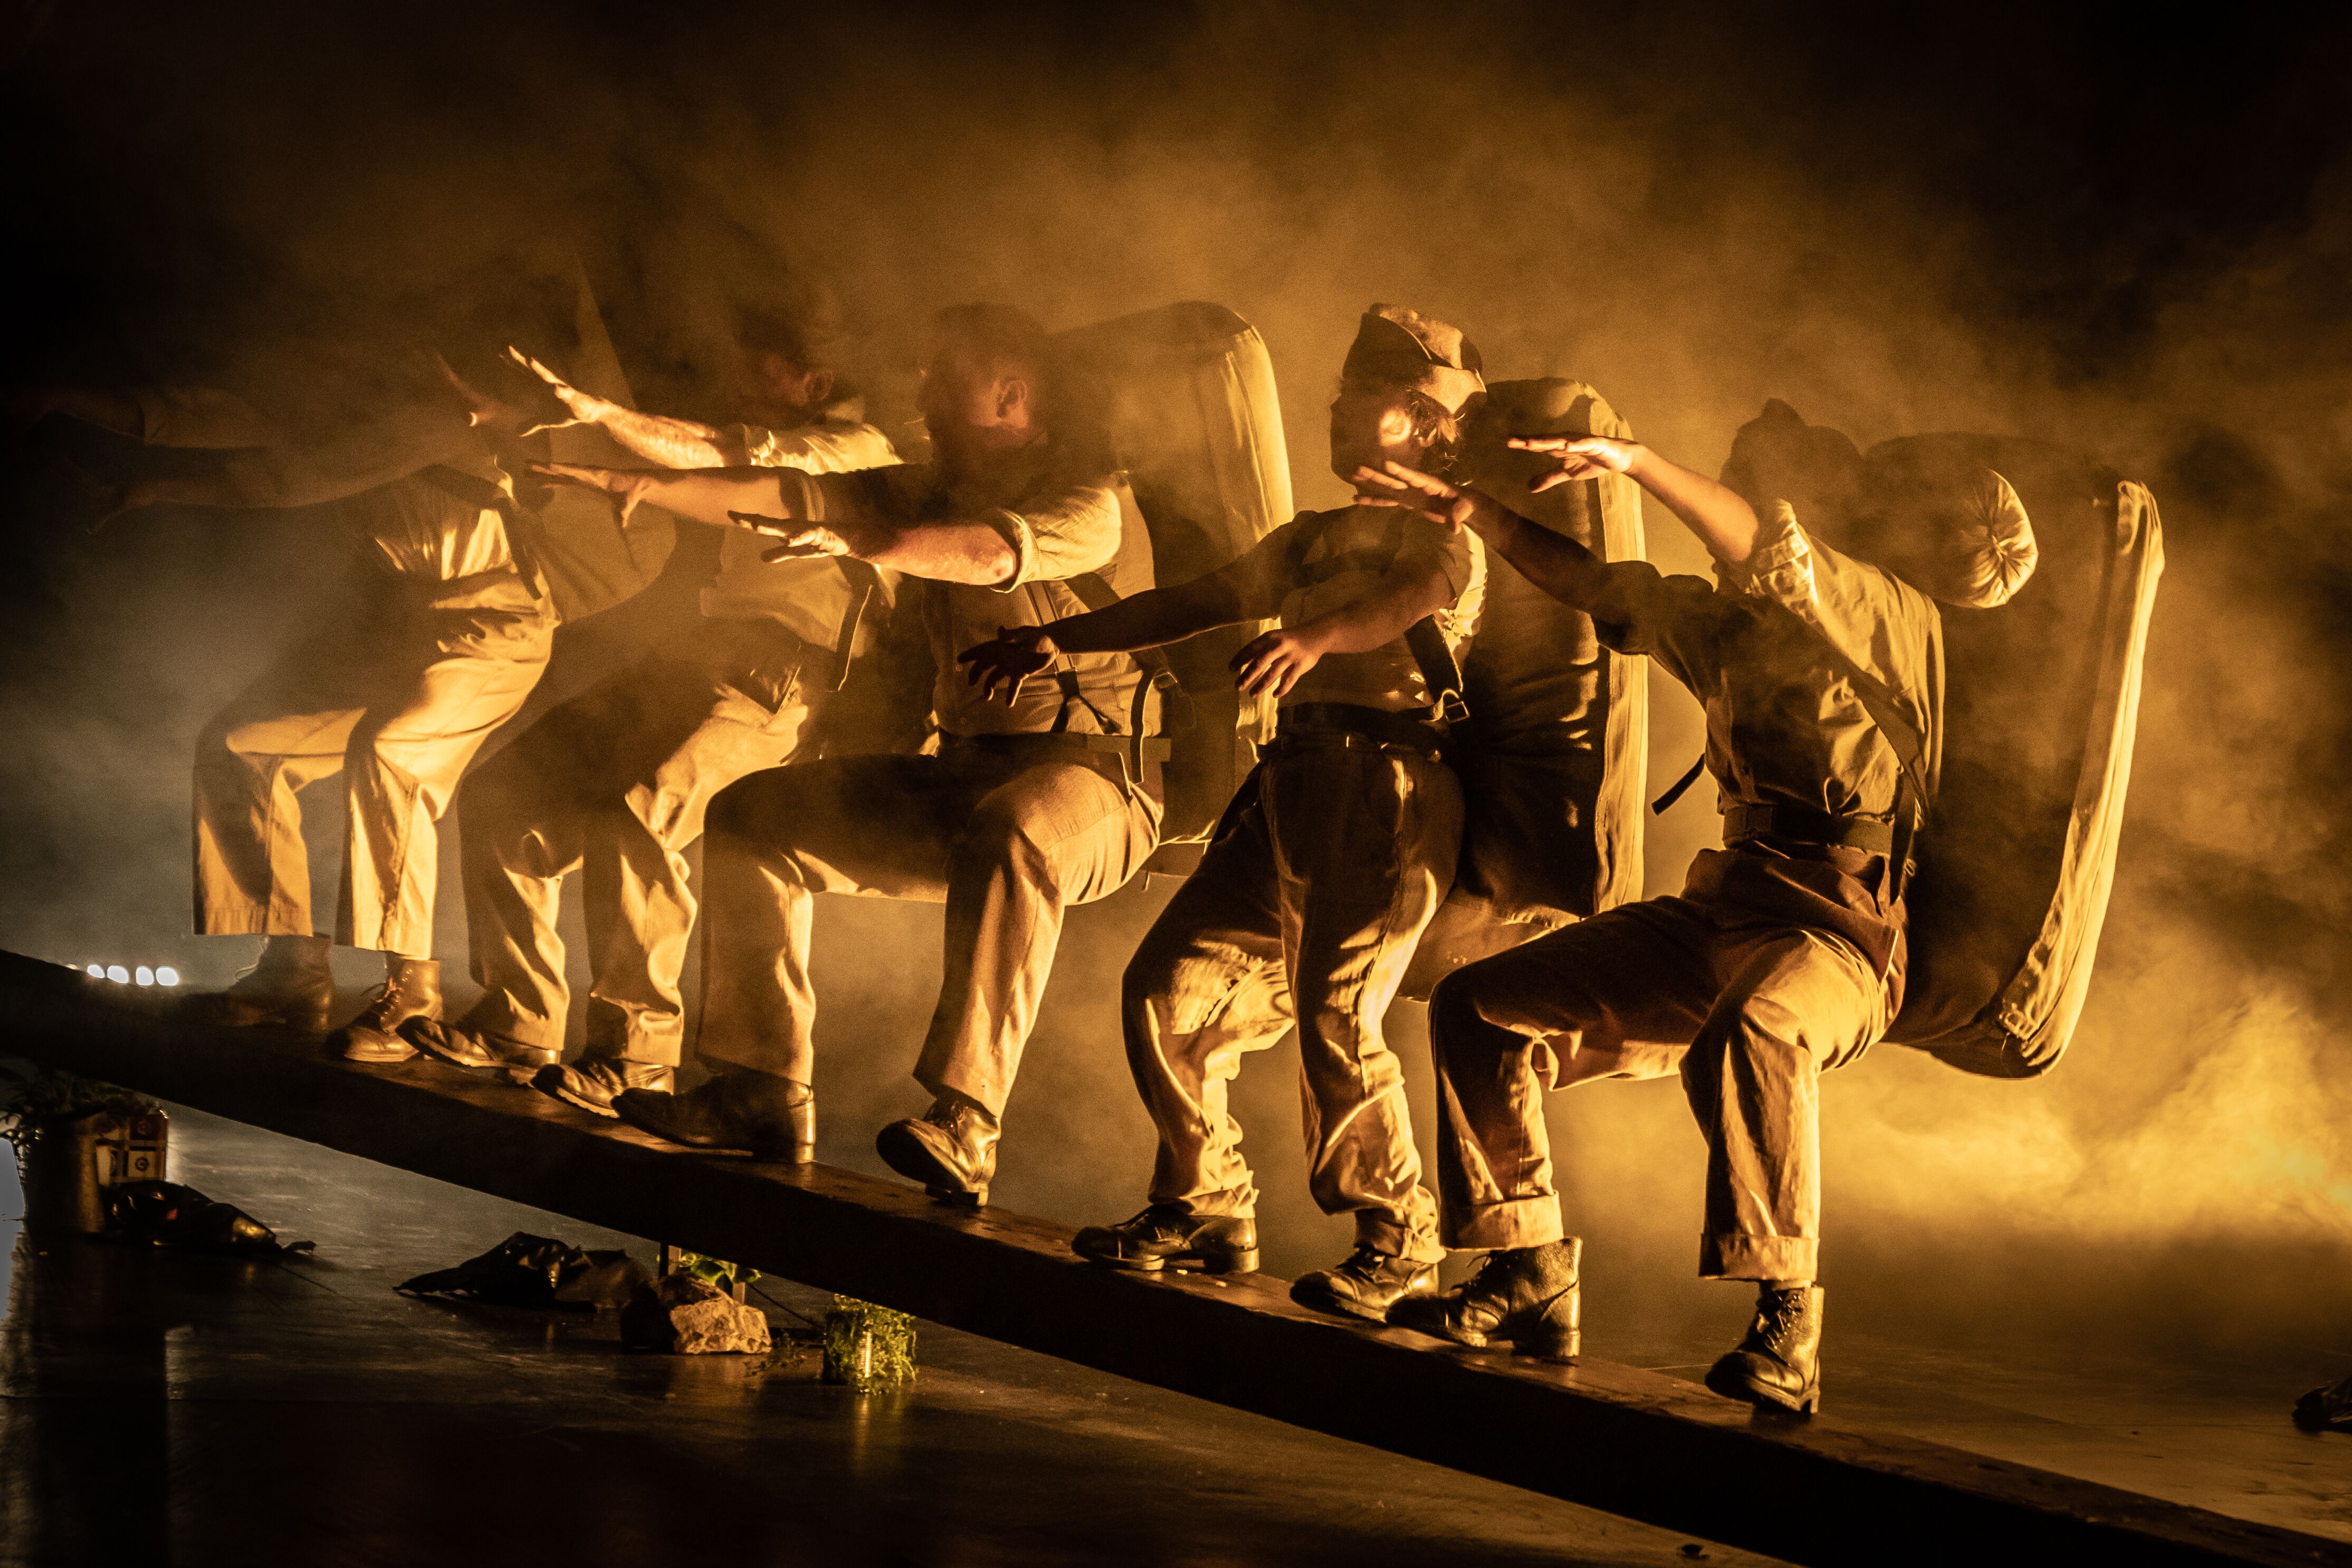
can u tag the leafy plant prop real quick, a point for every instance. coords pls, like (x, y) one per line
(868, 1347)
(43, 1098)
(716, 1271)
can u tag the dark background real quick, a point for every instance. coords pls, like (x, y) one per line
(2092, 225)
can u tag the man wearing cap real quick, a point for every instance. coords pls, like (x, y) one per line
(1333, 858)
(1823, 680)
(1024, 810)
(615, 782)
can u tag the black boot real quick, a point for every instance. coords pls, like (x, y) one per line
(1365, 1285)
(768, 1117)
(950, 1149)
(1780, 1361)
(1167, 1236)
(289, 986)
(467, 1045)
(411, 989)
(1528, 1295)
(592, 1082)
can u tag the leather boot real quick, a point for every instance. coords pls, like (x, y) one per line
(1780, 1361)
(1528, 1295)
(1169, 1236)
(1365, 1285)
(950, 1149)
(767, 1116)
(468, 1044)
(289, 986)
(411, 989)
(592, 1082)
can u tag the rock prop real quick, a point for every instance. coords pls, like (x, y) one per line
(2325, 1409)
(686, 1316)
(868, 1347)
(166, 1214)
(526, 1270)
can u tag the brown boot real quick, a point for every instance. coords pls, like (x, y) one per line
(1780, 1361)
(288, 987)
(411, 989)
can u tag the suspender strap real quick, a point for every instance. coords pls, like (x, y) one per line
(865, 583)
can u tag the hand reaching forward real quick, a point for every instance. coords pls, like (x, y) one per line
(1428, 495)
(1580, 457)
(584, 407)
(1000, 665)
(1271, 665)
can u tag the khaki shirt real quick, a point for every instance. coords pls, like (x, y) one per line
(1060, 525)
(808, 598)
(425, 532)
(1784, 726)
(1350, 550)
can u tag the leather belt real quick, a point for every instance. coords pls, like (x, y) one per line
(1808, 826)
(1337, 723)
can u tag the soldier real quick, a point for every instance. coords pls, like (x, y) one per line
(1024, 810)
(454, 631)
(1823, 680)
(1308, 906)
(615, 782)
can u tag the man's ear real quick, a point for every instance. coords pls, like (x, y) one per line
(1011, 399)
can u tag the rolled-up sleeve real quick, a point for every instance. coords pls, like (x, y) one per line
(1063, 534)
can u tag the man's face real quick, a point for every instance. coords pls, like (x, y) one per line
(1370, 425)
(777, 388)
(972, 412)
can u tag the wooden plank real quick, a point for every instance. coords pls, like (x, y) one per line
(1612, 1437)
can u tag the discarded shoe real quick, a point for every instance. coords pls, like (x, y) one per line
(526, 1270)
(1526, 1295)
(1780, 1361)
(592, 1082)
(1167, 1236)
(1366, 1284)
(950, 1149)
(289, 986)
(166, 1214)
(767, 1116)
(411, 989)
(466, 1045)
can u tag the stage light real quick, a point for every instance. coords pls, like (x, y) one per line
(118, 974)
(144, 976)
(167, 975)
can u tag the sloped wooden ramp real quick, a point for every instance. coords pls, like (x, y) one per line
(1630, 1442)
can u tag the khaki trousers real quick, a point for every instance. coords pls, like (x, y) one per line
(1306, 910)
(613, 784)
(1751, 1014)
(397, 699)
(1008, 842)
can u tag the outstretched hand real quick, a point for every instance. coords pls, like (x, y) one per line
(1580, 457)
(584, 407)
(1394, 484)
(1272, 664)
(1003, 663)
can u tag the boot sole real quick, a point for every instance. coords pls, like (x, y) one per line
(1733, 1386)
(1242, 1262)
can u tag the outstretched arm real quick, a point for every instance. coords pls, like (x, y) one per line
(1724, 522)
(1231, 593)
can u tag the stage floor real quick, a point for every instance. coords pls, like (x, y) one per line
(158, 1407)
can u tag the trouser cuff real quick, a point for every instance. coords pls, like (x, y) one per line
(1733, 1254)
(1514, 1222)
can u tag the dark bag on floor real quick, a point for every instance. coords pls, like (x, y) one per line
(527, 1270)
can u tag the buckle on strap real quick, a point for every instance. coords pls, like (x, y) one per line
(1806, 826)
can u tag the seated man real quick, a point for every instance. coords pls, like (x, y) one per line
(1024, 810)
(1333, 859)
(615, 782)
(1823, 682)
